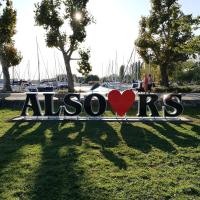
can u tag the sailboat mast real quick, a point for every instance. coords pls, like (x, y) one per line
(29, 74)
(38, 61)
(13, 75)
(55, 63)
(116, 66)
(102, 70)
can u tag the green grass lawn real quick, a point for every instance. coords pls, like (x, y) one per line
(98, 160)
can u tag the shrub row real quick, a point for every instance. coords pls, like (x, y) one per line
(178, 89)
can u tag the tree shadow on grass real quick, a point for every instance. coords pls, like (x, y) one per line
(116, 160)
(102, 134)
(17, 137)
(10, 144)
(173, 132)
(195, 128)
(190, 127)
(59, 176)
(56, 177)
(14, 105)
(192, 112)
(143, 140)
(99, 133)
(71, 135)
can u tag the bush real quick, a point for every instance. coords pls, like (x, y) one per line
(91, 79)
(178, 89)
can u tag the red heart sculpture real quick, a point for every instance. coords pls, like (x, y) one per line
(121, 103)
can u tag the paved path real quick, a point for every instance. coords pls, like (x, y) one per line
(19, 96)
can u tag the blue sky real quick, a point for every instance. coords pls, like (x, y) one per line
(114, 33)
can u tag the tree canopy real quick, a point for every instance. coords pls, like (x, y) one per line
(65, 23)
(167, 36)
(9, 56)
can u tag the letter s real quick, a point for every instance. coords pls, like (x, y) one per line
(176, 105)
(73, 103)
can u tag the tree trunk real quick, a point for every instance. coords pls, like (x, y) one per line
(6, 77)
(164, 76)
(69, 73)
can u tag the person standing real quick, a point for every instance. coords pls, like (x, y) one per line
(150, 83)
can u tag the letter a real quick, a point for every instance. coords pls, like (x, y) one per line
(33, 103)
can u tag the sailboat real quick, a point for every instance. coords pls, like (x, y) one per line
(40, 87)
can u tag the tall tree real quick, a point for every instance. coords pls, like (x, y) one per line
(9, 56)
(65, 23)
(165, 35)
